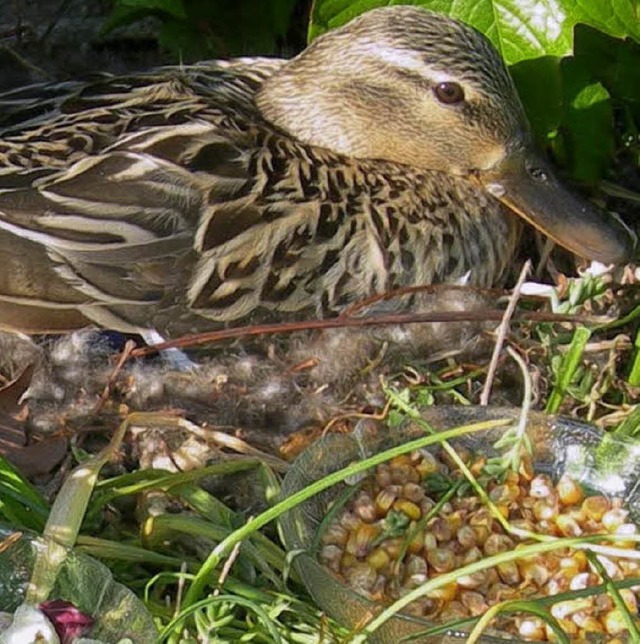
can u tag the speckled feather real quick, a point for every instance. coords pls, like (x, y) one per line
(130, 184)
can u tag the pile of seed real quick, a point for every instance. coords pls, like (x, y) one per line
(397, 532)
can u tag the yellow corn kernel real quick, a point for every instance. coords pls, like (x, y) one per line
(594, 507)
(378, 558)
(569, 491)
(409, 508)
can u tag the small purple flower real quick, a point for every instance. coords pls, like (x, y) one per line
(68, 621)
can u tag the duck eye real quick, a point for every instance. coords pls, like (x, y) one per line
(449, 93)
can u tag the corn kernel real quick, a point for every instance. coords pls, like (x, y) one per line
(474, 602)
(441, 559)
(361, 539)
(378, 558)
(595, 507)
(614, 518)
(569, 491)
(413, 492)
(445, 593)
(531, 628)
(409, 508)
(614, 623)
(384, 501)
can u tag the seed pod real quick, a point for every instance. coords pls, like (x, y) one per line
(383, 475)
(430, 542)
(445, 593)
(416, 544)
(581, 581)
(428, 465)
(426, 505)
(630, 600)
(349, 521)
(394, 546)
(587, 623)
(611, 567)
(504, 494)
(567, 626)
(624, 530)
(544, 511)
(454, 521)
(452, 611)
(534, 572)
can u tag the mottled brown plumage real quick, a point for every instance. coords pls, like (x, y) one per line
(186, 198)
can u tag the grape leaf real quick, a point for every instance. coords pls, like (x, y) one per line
(520, 29)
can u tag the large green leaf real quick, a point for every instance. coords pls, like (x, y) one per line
(521, 30)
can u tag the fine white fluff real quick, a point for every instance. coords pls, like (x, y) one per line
(277, 383)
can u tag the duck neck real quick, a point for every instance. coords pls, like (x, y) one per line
(310, 110)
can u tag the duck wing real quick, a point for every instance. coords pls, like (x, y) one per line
(95, 243)
(187, 228)
(168, 203)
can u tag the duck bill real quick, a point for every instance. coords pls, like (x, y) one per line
(525, 183)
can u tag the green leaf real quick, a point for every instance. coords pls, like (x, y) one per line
(567, 368)
(544, 109)
(20, 503)
(588, 124)
(613, 62)
(520, 31)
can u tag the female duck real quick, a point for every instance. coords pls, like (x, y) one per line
(393, 151)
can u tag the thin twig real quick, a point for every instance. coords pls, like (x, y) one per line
(228, 564)
(106, 392)
(377, 320)
(502, 330)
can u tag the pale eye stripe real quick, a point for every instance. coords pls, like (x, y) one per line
(405, 59)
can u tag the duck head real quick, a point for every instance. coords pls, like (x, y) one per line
(406, 85)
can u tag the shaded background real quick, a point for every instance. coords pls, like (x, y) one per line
(57, 39)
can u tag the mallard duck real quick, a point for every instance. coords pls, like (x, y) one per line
(393, 151)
